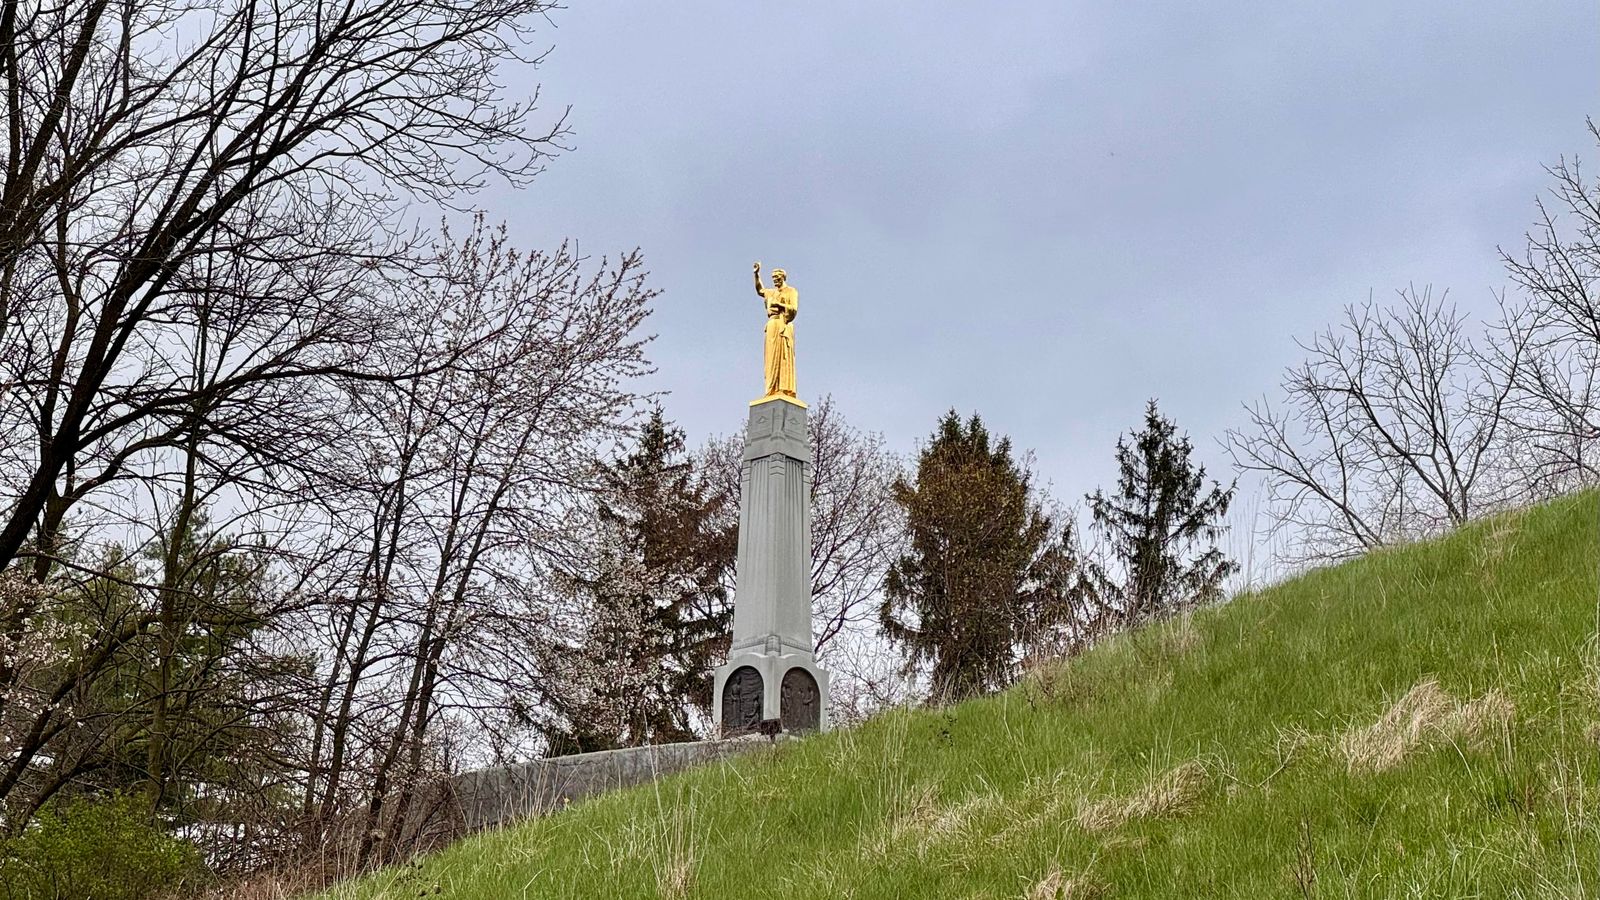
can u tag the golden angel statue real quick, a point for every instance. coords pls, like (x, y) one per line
(782, 302)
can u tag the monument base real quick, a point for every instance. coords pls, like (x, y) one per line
(755, 688)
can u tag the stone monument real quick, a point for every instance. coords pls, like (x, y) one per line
(771, 680)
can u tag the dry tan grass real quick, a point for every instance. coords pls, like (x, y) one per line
(264, 886)
(1499, 541)
(1058, 885)
(921, 823)
(1402, 727)
(912, 809)
(1569, 789)
(1038, 805)
(272, 885)
(1171, 793)
(1180, 635)
(1483, 720)
(956, 821)
(674, 880)
(1425, 716)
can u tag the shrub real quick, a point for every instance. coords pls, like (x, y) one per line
(96, 850)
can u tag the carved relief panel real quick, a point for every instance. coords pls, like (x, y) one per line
(741, 700)
(800, 704)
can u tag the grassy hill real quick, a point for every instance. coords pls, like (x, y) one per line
(1419, 723)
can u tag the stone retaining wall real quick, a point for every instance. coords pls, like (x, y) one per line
(447, 810)
(490, 797)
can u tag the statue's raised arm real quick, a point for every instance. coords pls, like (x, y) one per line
(760, 291)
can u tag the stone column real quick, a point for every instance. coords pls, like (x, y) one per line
(771, 674)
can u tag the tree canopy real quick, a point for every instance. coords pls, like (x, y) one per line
(1161, 524)
(960, 598)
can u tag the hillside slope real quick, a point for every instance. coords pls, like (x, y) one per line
(1419, 723)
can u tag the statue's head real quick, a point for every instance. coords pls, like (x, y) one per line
(779, 276)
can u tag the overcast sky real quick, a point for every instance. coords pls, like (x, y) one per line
(1046, 212)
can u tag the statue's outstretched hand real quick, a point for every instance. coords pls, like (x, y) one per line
(756, 267)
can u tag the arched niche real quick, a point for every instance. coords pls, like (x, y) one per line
(800, 703)
(741, 700)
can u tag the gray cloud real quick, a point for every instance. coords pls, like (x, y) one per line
(1047, 212)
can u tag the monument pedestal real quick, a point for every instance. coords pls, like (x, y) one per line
(771, 673)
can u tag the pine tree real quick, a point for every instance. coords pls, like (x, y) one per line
(1160, 527)
(199, 708)
(652, 605)
(969, 588)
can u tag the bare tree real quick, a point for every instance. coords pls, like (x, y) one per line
(470, 471)
(195, 262)
(1400, 423)
(857, 529)
(1075, 612)
(1553, 337)
(1392, 427)
(278, 137)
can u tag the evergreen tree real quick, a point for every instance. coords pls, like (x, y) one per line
(191, 717)
(652, 607)
(970, 587)
(1161, 525)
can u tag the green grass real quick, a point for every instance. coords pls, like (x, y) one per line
(1214, 756)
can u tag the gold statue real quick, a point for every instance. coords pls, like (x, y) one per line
(782, 302)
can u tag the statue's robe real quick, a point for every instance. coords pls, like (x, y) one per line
(782, 304)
